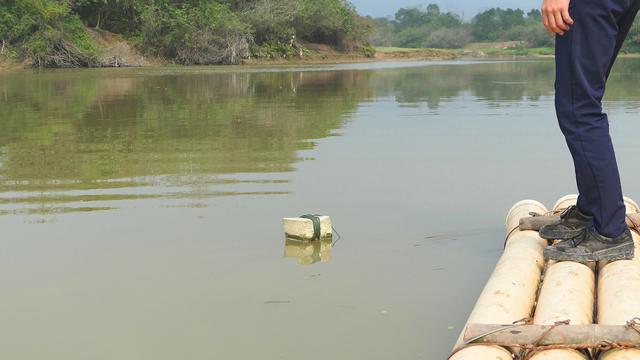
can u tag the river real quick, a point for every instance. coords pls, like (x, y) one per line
(140, 209)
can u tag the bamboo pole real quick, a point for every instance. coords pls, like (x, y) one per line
(536, 222)
(521, 210)
(568, 200)
(550, 335)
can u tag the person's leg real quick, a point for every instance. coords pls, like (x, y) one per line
(584, 56)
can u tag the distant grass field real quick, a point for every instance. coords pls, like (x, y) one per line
(520, 51)
(390, 49)
(485, 48)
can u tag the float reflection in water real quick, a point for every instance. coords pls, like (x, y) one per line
(308, 252)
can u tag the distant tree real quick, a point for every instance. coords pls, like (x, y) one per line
(534, 15)
(433, 11)
(410, 18)
(383, 32)
(448, 20)
(326, 21)
(513, 18)
(492, 24)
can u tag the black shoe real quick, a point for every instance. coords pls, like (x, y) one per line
(591, 246)
(571, 225)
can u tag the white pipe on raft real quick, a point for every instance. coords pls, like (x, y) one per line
(618, 293)
(483, 352)
(510, 293)
(559, 355)
(628, 354)
(632, 206)
(567, 293)
(487, 308)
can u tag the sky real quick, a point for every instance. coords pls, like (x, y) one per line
(381, 8)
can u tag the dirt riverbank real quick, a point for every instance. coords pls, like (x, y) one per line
(117, 51)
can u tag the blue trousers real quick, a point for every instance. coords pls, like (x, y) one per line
(584, 58)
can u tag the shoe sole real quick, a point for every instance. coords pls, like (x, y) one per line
(624, 251)
(560, 235)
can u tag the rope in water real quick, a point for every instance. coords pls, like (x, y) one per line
(317, 233)
(338, 237)
(316, 224)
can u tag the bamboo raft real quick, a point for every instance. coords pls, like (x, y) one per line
(532, 309)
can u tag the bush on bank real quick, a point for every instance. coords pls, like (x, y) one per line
(46, 33)
(51, 33)
(202, 33)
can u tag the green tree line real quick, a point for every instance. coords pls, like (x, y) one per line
(51, 33)
(429, 27)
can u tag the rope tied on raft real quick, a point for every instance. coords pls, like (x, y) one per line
(528, 351)
(517, 227)
(471, 342)
(633, 324)
(603, 346)
(523, 321)
(634, 226)
(536, 345)
(544, 335)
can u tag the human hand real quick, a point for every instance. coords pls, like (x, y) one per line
(555, 16)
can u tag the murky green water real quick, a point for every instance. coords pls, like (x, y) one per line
(140, 209)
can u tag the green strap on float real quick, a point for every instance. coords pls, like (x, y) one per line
(316, 224)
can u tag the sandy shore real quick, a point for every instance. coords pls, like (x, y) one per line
(7, 65)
